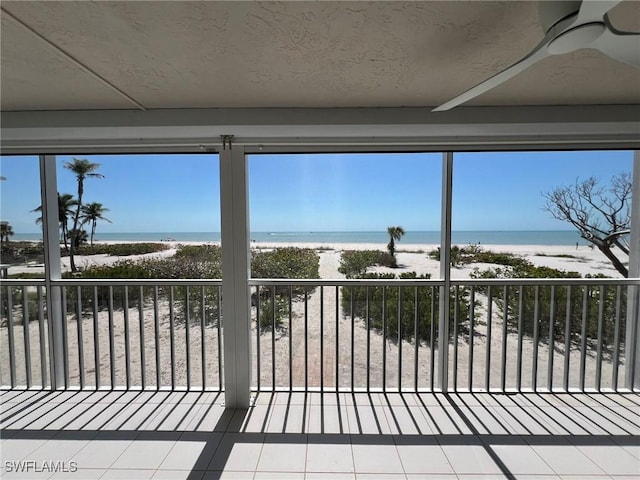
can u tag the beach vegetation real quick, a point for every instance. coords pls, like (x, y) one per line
(272, 303)
(524, 304)
(578, 258)
(22, 252)
(66, 204)
(193, 304)
(78, 238)
(466, 255)
(83, 169)
(120, 249)
(355, 263)
(21, 298)
(602, 215)
(402, 312)
(6, 231)
(395, 234)
(91, 213)
(405, 312)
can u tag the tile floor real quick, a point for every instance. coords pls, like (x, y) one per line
(191, 436)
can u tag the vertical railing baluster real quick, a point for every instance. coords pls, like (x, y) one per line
(487, 378)
(600, 335)
(80, 336)
(26, 337)
(321, 339)
(172, 337)
(552, 314)
(273, 337)
(416, 337)
(258, 332)
(65, 339)
(337, 358)
(51, 344)
(520, 337)
(583, 343)
(567, 342)
(306, 341)
(536, 321)
(203, 350)
(187, 334)
(432, 345)
(471, 334)
(11, 338)
(43, 338)
(384, 338)
(156, 329)
(127, 338)
(367, 314)
(616, 340)
(353, 343)
(505, 319)
(219, 327)
(143, 367)
(290, 338)
(456, 313)
(400, 325)
(112, 349)
(96, 339)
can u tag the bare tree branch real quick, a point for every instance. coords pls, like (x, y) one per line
(601, 215)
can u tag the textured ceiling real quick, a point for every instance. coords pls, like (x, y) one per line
(122, 55)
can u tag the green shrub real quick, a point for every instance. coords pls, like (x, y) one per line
(354, 263)
(391, 309)
(118, 249)
(287, 262)
(21, 252)
(522, 315)
(475, 254)
(273, 310)
(17, 303)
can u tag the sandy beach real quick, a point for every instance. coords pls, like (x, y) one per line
(313, 336)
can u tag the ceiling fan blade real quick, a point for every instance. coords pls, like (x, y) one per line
(534, 56)
(594, 10)
(622, 46)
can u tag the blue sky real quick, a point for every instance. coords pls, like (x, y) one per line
(320, 192)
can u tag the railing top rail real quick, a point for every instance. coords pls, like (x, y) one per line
(23, 282)
(545, 281)
(438, 282)
(86, 282)
(115, 282)
(302, 282)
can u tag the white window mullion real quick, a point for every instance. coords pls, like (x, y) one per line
(632, 350)
(445, 271)
(51, 241)
(236, 304)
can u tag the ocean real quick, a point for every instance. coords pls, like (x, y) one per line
(509, 237)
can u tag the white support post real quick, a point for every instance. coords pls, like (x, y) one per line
(52, 268)
(445, 271)
(632, 350)
(236, 304)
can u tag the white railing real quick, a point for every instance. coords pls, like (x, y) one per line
(131, 334)
(327, 335)
(503, 335)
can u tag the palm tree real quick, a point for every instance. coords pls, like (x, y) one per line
(83, 169)
(91, 213)
(395, 234)
(6, 231)
(66, 202)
